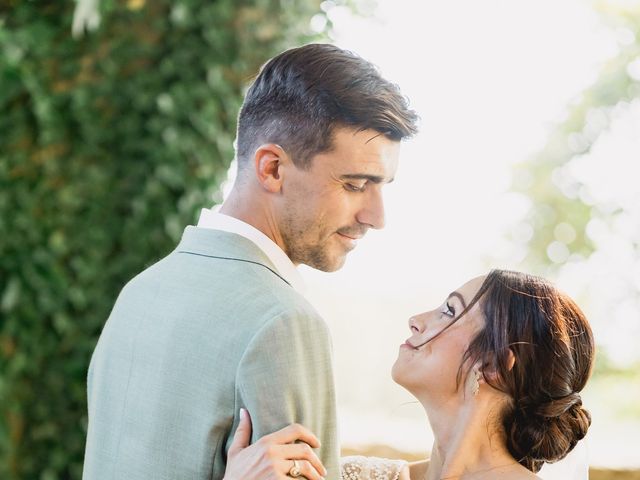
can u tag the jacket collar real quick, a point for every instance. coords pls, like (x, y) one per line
(219, 244)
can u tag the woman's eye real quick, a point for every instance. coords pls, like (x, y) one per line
(447, 309)
(354, 188)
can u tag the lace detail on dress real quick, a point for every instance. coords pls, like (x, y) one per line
(370, 468)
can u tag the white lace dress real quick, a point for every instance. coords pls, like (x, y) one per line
(370, 468)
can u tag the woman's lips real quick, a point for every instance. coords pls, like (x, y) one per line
(408, 344)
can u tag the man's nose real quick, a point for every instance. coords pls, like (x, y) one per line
(372, 212)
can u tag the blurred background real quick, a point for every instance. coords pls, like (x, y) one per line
(117, 121)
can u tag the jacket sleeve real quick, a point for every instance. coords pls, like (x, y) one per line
(286, 376)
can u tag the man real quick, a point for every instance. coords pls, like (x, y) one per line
(220, 323)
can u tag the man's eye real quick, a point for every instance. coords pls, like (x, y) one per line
(354, 188)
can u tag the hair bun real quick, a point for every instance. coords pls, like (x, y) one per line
(558, 406)
(548, 431)
(530, 321)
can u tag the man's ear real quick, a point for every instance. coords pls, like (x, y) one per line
(268, 160)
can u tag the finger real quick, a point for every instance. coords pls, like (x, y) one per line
(293, 433)
(306, 469)
(242, 437)
(302, 451)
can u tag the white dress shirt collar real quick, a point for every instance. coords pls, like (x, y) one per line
(211, 218)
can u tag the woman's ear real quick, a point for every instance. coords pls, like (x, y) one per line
(511, 359)
(490, 371)
(478, 371)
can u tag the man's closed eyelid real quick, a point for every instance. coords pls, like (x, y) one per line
(355, 188)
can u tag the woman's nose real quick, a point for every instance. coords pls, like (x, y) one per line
(415, 325)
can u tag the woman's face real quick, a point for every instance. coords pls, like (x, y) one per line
(432, 368)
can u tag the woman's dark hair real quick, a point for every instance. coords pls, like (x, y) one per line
(301, 95)
(554, 354)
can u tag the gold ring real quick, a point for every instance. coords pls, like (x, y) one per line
(295, 470)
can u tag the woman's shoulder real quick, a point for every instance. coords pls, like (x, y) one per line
(418, 470)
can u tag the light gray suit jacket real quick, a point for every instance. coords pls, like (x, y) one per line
(210, 328)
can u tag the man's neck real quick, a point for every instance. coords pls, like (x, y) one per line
(256, 213)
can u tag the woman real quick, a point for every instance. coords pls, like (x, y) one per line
(498, 368)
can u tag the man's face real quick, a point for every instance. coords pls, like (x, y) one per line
(327, 208)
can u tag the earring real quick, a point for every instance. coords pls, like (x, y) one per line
(476, 382)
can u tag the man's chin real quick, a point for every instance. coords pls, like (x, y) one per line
(327, 264)
(335, 266)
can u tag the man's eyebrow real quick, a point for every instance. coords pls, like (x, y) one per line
(364, 176)
(459, 297)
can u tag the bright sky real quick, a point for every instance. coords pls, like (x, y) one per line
(488, 79)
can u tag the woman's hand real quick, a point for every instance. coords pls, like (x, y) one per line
(272, 456)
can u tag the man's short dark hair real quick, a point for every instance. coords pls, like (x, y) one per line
(301, 95)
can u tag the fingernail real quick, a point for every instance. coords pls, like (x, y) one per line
(243, 413)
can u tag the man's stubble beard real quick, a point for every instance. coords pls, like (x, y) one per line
(314, 252)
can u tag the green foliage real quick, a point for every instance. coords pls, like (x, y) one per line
(594, 240)
(109, 145)
(561, 207)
